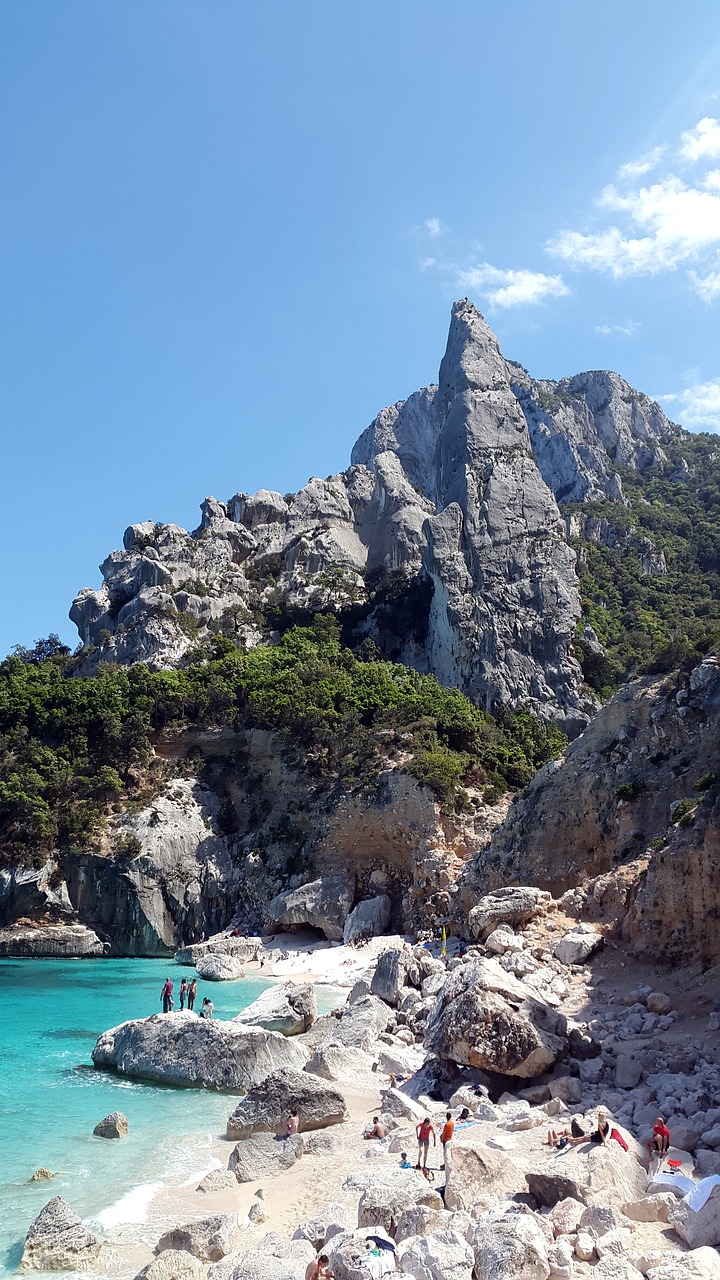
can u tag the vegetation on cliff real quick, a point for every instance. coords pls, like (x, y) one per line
(70, 746)
(654, 621)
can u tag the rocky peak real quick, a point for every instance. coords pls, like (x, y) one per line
(451, 496)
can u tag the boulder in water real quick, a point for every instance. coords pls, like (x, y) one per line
(216, 967)
(182, 1049)
(113, 1126)
(58, 1241)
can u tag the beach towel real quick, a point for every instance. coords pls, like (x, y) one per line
(616, 1134)
(699, 1196)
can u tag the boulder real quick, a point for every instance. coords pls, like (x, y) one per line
(628, 1071)
(360, 1024)
(322, 904)
(42, 1175)
(368, 919)
(289, 1008)
(708, 1162)
(224, 944)
(324, 1224)
(389, 1193)
(566, 1215)
(217, 1180)
(271, 1258)
(600, 1219)
(113, 1126)
(346, 1252)
(216, 967)
(698, 1264)
(388, 980)
(442, 1256)
(209, 1239)
(512, 1247)
(264, 1155)
(422, 1221)
(265, 1106)
(590, 1172)
(578, 944)
(658, 1002)
(182, 1049)
(651, 1208)
(175, 1264)
(517, 904)
(567, 1088)
(699, 1227)
(340, 1062)
(484, 1017)
(477, 1171)
(58, 1241)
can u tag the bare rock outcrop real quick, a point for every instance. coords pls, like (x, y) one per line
(182, 1049)
(483, 1017)
(58, 1241)
(321, 904)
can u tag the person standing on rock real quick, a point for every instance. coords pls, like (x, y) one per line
(292, 1124)
(446, 1138)
(423, 1131)
(166, 996)
(207, 1009)
(183, 992)
(191, 994)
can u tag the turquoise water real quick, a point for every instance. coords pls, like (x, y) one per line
(52, 1012)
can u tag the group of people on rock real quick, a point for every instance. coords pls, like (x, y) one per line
(188, 994)
(575, 1135)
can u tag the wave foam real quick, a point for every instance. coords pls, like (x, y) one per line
(133, 1207)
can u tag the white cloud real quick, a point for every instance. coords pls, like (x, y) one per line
(703, 140)
(679, 223)
(628, 329)
(706, 287)
(637, 168)
(508, 288)
(698, 406)
(435, 228)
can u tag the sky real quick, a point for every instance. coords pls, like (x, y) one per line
(231, 232)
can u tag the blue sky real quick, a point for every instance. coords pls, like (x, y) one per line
(231, 231)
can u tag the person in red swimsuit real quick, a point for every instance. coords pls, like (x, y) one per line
(661, 1137)
(423, 1132)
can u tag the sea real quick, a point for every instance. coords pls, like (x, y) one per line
(51, 1096)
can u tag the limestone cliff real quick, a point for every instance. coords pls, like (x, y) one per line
(442, 542)
(628, 819)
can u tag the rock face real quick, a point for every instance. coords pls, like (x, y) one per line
(58, 1241)
(483, 1017)
(265, 1107)
(594, 1174)
(113, 1126)
(322, 904)
(453, 492)
(289, 1008)
(369, 918)
(182, 1049)
(698, 1227)
(604, 819)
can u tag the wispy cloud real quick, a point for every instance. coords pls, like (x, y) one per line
(638, 168)
(703, 140)
(626, 329)
(435, 227)
(510, 288)
(697, 406)
(706, 287)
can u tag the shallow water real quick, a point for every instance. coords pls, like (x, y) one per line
(51, 1013)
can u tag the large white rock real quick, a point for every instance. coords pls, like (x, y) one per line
(341, 1063)
(701, 1227)
(209, 1239)
(322, 904)
(263, 1155)
(512, 1247)
(484, 1017)
(515, 905)
(216, 967)
(346, 1252)
(58, 1241)
(698, 1264)
(442, 1256)
(289, 1007)
(265, 1106)
(477, 1171)
(368, 919)
(578, 944)
(182, 1049)
(172, 1264)
(591, 1172)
